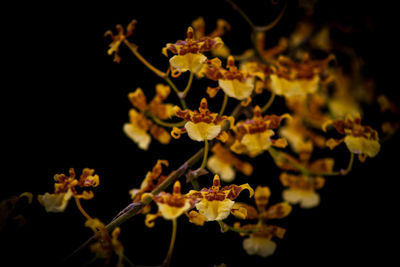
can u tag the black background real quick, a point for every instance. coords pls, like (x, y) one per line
(65, 101)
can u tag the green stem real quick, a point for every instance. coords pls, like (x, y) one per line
(269, 103)
(205, 156)
(224, 102)
(167, 124)
(173, 86)
(188, 86)
(167, 260)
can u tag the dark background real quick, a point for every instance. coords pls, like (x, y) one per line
(65, 101)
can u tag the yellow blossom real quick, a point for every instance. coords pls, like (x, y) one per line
(201, 124)
(302, 189)
(171, 206)
(254, 136)
(216, 203)
(359, 139)
(188, 53)
(296, 80)
(236, 83)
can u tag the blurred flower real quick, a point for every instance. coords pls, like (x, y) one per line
(301, 189)
(224, 163)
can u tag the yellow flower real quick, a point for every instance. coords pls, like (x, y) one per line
(302, 189)
(296, 80)
(224, 163)
(236, 83)
(359, 139)
(65, 189)
(173, 205)
(201, 124)
(254, 136)
(216, 203)
(188, 53)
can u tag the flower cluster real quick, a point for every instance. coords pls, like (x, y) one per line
(301, 71)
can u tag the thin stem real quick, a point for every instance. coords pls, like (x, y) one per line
(167, 124)
(167, 260)
(134, 49)
(241, 12)
(159, 73)
(224, 102)
(276, 155)
(205, 156)
(188, 86)
(269, 103)
(173, 86)
(274, 22)
(78, 204)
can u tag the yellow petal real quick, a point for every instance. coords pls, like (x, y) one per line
(55, 202)
(171, 212)
(138, 135)
(237, 89)
(258, 142)
(225, 170)
(201, 131)
(279, 211)
(215, 210)
(247, 186)
(196, 218)
(306, 198)
(262, 195)
(261, 246)
(293, 88)
(239, 211)
(188, 62)
(361, 145)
